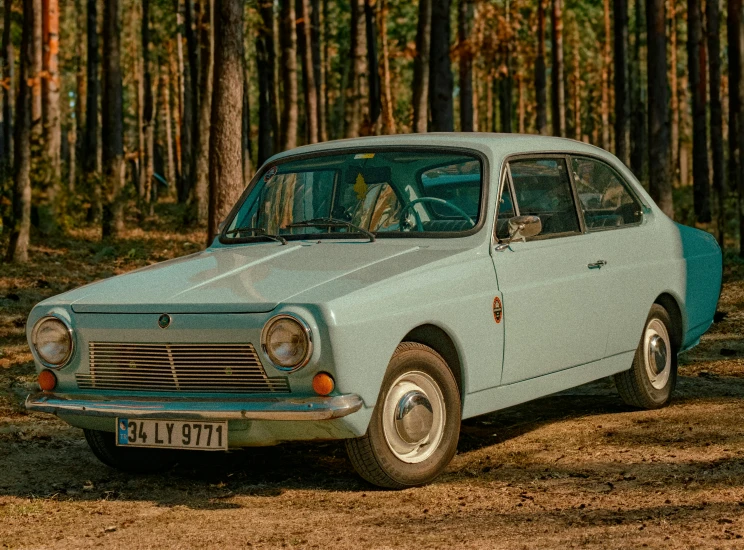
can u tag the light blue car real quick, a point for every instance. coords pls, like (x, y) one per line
(380, 290)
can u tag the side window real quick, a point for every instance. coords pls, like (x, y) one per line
(542, 188)
(604, 196)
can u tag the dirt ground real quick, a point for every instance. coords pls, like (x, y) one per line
(579, 469)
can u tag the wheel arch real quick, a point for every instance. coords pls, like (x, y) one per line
(670, 303)
(441, 342)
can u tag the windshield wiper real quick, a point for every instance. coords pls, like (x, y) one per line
(333, 222)
(258, 231)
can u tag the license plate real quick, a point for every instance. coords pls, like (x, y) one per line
(173, 434)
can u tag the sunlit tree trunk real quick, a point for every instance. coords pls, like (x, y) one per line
(206, 71)
(37, 123)
(112, 122)
(558, 88)
(440, 71)
(373, 125)
(225, 142)
(357, 105)
(170, 166)
(464, 48)
(309, 89)
(189, 130)
(421, 68)
(148, 111)
(638, 135)
(21, 228)
(265, 62)
(713, 16)
(660, 184)
(622, 92)
(606, 60)
(541, 94)
(388, 118)
(246, 131)
(319, 39)
(577, 80)
(288, 42)
(50, 89)
(8, 75)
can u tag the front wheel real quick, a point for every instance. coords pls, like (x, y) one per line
(650, 381)
(133, 460)
(414, 429)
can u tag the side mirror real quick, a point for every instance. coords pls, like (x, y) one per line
(521, 228)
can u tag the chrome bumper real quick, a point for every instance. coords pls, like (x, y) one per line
(272, 408)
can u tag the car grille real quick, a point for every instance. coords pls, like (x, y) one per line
(232, 368)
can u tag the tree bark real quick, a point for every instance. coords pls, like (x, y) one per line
(8, 75)
(606, 60)
(440, 71)
(170, 166)
(674, 88)
(698, 85)
(288, 42)
(558, 81)
(375, 96)
(309, 89)
(357, 106)
(734, 32)
(189, 131)
(112, 122)
(638, 149)
(577, 80)
(37, 112)
(246, 132)
(421, 68)
(91, 144)
(225, 143)
(388, 108)
(175, 76)
(739, 45)
(148, 112)
(713, 16)
(265, 65)
(464, 48)
(21, 228)
(318, 38)
(660, 185)
(206, 71)
(541, 95)
(50, 90)
(622, 95)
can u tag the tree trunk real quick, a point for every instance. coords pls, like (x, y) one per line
(189, 131)
(577, 80)
(698, 85)
(357, 106)
(288, 42)
(734, 31)
(674, 87)
(318, 37)
(225, 143)
(421, 68)
(174, 73)
(521, 103)
(112, 122)
(373, 126)
(265, 66)
(246, 132)
(739, 45)
(50, 90)
(91, 145)
(37, 113)
(660, 185)
(8, 75)
(148, 112)
(606, 60)
(559, 96)
(464, 48)
(388, 108)
(21, 228)
(206, 72)
(541, 108)
(170, 166)
(638, 149)
(622, 95)
(713, 16)
(309, 89)
(440, 71)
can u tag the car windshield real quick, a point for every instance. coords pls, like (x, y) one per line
(364, 194)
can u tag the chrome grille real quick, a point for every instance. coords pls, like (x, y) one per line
(231, 368)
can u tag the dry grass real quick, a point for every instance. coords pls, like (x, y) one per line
(579, 469)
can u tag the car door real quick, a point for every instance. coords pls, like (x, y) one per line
(552, 285)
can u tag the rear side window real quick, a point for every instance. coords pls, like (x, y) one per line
(605, 198)
(542, 188)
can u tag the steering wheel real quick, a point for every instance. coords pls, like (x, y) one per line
(436, 200)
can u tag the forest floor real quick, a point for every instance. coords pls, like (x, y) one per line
(578, 469)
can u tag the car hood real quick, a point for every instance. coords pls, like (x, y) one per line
(251, 278)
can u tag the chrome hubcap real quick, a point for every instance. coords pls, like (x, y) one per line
(656, 346)
(413, 417)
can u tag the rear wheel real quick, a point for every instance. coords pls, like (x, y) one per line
(650, 381)
(134, 460)
(415, 425)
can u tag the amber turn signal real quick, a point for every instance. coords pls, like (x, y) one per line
(47, 380)
(323, 383)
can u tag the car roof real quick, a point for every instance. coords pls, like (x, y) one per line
(500, 145)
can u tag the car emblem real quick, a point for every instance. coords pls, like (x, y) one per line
(498, 310)
(164, 320)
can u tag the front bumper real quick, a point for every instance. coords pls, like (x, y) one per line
(272, 408)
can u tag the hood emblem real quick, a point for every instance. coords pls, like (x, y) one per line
(164, 320)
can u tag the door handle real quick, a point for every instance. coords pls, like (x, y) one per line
(597, 265)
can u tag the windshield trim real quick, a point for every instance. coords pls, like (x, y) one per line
(482, 215)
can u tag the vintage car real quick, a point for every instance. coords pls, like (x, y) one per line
(380, 290)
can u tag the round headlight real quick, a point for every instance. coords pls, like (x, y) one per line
(52, 339)
(287, 342)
